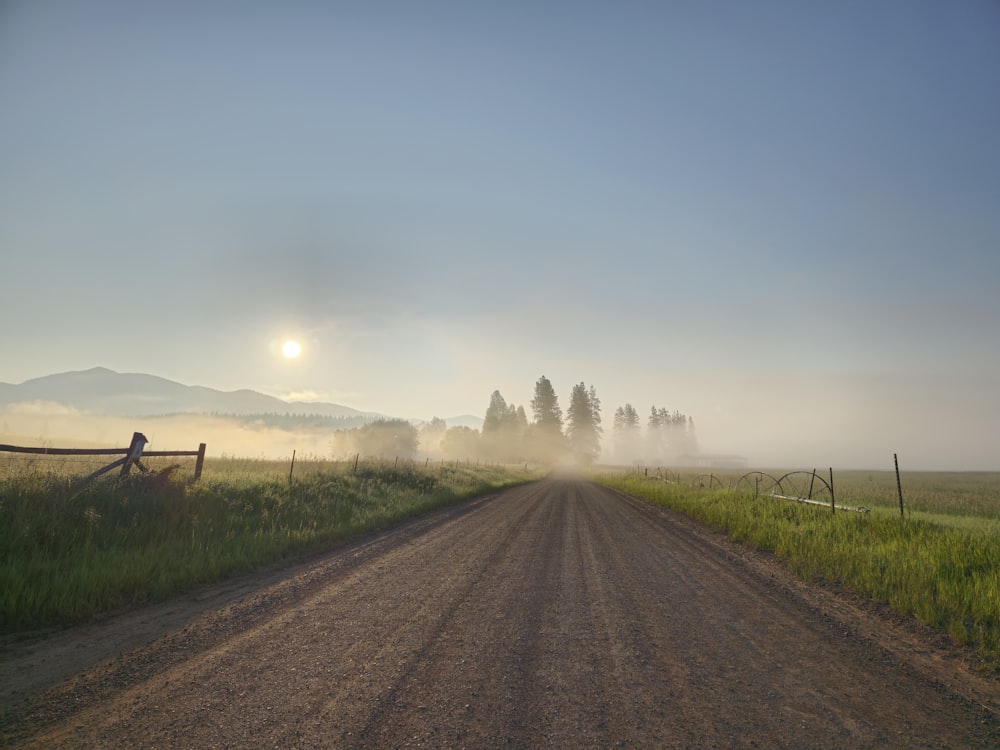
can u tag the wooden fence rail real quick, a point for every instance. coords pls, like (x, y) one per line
(133, 455)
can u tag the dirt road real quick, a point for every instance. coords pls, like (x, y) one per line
(558, 614)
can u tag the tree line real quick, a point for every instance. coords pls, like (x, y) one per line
(669, 437)
(509, 436)
(550, 436)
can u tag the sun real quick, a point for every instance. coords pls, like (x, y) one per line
(291, 349)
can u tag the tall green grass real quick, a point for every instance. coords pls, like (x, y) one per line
(946, 575)
(72, 550)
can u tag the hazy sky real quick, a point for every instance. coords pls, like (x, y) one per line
(782, 219)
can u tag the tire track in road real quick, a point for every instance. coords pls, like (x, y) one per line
(464, 592)
(559, 614)
(473, 681)
(770, 662)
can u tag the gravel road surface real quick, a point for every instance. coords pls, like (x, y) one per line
(558, 614)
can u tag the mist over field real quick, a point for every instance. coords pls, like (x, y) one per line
(765, 420)
(222, 436)
(855, 421)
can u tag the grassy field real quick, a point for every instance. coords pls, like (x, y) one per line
(70, 550)
(940, 562)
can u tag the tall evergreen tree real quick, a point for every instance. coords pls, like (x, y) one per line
(545, 437)
(583, 423)
(619, 423)
(518, 419)
(503, 430)
(654, 433)
(545, 407)
(626, 434)
(670, 435)
(595, 409)
(497, 414)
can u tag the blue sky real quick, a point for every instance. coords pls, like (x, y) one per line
(780, 218)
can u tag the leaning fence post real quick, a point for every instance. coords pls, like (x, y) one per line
(899, 485)
(833, 503)
(134, 452)
(199, 462)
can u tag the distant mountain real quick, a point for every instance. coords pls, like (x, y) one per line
(105, 392)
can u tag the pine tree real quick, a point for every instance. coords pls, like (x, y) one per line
(496, 414)
(545, 407)
(654, 434)
(595, 409)
(619, 423)
(584, 423)
(626, 434)
(654, 418)
(503, 430)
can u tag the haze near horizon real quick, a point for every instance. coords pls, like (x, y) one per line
(779, 219)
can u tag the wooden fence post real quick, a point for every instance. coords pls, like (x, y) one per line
(134, 453)
(199, 462)
(899, 485)
(833, 503)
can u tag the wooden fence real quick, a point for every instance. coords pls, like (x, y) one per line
(132, 456)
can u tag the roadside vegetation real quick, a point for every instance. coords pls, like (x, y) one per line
(940, 562)
(72, 550)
